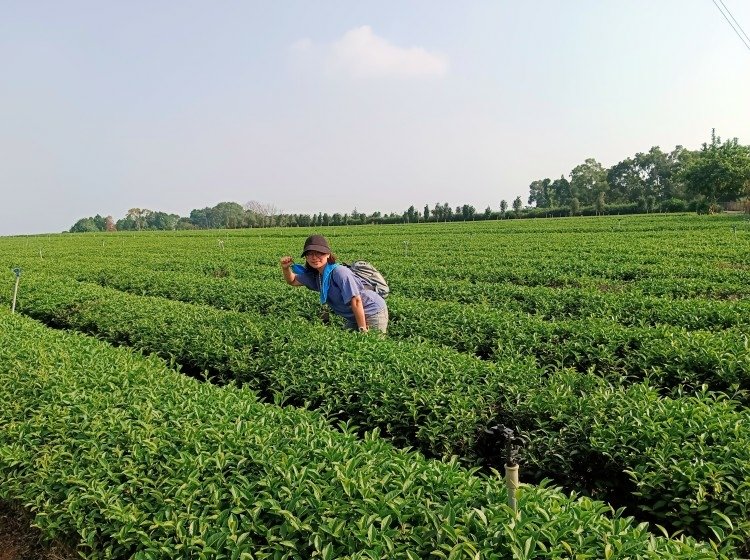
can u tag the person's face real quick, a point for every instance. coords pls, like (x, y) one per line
(316, 260)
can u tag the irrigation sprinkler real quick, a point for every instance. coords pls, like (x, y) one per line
(17, 272)
(406, 248)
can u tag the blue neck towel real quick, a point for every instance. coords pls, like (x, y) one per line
(325, 281)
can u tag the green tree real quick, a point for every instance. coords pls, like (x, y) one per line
(101, 222)
(625, 182)
(185, 223)
(587, 180)
(677, 160)
(575, 206)
(503, 207)
(720, 172)
(559, 193)
(200, 218)
(447, 211)
(162, 221)
(227, 215)
(656, 173)
(426, 213)
(599, 204)
(517, 206)
(137, 216)
(539, 193)
(84, 225)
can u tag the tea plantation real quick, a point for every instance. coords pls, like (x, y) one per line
(167, 395)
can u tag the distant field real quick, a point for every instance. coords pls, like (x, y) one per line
(618, 347)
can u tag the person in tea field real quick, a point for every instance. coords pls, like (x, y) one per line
(345, 293)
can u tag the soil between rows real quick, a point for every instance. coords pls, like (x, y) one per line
(20, 541)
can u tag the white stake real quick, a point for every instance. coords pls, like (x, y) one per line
(17, 272)
(511, 482)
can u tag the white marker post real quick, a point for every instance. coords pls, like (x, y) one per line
(511, 468)
(17, 272)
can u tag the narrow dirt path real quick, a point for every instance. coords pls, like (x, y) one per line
(20, 541)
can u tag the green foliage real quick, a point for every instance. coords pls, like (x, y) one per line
(137, 461)
(720, 171)
(594, 337)
(425, 397)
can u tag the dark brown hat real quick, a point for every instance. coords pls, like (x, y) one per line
(316, 243)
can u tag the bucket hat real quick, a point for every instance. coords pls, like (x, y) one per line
(316, 243)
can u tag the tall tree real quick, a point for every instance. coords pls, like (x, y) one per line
(260, 214)
(599, 204)
(227, 215)
(539, 193)
(720, 172)
(517, 206)
(162, 221)
(587, 180)
(625, 181)
(447, 211)
(84, 225)
(559, 192)
(200, 218)
(138, 217)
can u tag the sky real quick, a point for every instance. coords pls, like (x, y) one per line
(332, 106)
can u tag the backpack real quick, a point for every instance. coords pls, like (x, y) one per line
(371, 278)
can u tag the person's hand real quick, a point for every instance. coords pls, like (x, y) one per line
(286, 262)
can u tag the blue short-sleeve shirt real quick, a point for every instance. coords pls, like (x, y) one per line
(343, 287)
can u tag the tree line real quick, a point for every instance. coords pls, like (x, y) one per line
(653, 181)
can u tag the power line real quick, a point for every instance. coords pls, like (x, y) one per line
(734, 20)
(744, 41)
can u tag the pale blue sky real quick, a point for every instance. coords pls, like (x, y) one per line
(330, 106)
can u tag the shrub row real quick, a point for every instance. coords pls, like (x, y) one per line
(607, 300)
(626, 308)
(442, 402)
(132, 460)
(670, 356)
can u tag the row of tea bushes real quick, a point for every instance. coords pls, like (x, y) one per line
(438, 406)
(133, 460)
(669, 356)
(441, 402)
(627, 309)
(612, 301)
(658, 280)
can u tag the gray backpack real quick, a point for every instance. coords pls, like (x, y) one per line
(371, 277)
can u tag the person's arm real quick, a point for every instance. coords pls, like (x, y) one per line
(359, 313)
(289, 276)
